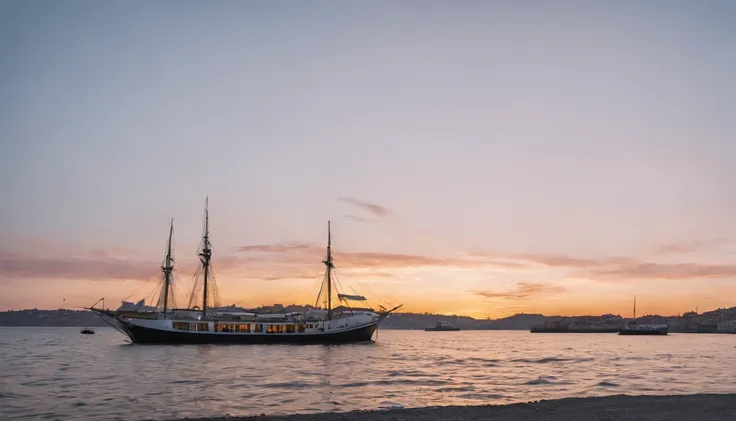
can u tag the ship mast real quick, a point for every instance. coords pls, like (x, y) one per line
(634, 307)
(167, 268)
(329, 265)
(205, 256)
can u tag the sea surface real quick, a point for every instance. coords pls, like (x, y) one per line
(55, 373)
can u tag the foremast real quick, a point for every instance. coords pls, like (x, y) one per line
(328, 263)
(205, 256)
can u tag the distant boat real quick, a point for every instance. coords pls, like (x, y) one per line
(442, 327)
(87, 331)
(194, 324)
(633, 328)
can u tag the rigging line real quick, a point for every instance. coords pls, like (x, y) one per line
(314, 286)
(141, 286)
(112, 325)
(370, 290)
(321, 288)
(370, 302)
(193, 280)
(377, 298)
(193, 287)
(172, 299)
(152, 294)
(339, 285)
(343, 302)
(173, 290)
(215, 295)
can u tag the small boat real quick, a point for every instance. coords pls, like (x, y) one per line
(633, 328)
(442, 327)
(87, 331)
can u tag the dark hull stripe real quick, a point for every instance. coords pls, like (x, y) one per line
(145, 335)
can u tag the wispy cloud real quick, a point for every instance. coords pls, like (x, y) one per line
(297, 252)
(693, 246)
(372, 208)
(357, 218)
(298, 260)
(621, 268)
(36, 258)
(281, 248)
(561, 261)
(55, 262)
(672, 271)
(14, 265)
(602, 269)
(522, 290)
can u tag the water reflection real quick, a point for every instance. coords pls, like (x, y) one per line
(58, 373)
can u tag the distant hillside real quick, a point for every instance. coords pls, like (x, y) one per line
(59, 317)
(420, 321)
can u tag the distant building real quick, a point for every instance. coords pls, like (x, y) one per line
(727, 326)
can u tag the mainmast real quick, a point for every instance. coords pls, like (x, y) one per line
(328, 263)
(167, 268)
(205, 256)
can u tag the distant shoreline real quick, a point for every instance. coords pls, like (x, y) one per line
(690, 322)
(701, 407)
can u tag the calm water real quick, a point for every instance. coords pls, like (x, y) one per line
(56, 373)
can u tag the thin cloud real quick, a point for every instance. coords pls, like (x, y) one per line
(300, 260)
(115, 252)
(280, 248)
(99, 268)
(673, 271)
(693, 246)
(357, 218)
(96, 265)
(297, 252)
(523, 290)
(372, 208)
(556, 260)
(562, 261)
(622, 268)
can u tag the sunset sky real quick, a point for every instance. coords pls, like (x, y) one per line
(477, 157)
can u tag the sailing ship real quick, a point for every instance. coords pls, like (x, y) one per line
(633, 328)
(212, 325)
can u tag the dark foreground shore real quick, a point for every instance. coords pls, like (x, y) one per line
(610, 408)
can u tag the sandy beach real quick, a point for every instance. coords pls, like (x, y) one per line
(610, 408)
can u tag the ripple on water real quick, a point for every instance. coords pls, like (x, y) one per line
(48, 373)
(547, 360)
(608, 384)
(547, 380)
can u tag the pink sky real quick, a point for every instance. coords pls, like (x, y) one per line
(484, 159)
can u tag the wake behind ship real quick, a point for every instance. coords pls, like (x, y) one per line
(193, 325)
